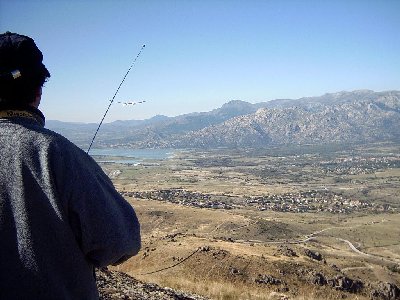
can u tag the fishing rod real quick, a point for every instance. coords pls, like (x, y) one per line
(115, 94)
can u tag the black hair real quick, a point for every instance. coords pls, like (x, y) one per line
(22, 72)
(21, 91)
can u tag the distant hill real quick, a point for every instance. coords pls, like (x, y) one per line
(358, 116)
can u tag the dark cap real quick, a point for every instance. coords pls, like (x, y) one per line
(20, 57)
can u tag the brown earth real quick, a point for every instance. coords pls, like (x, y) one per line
(239, 255)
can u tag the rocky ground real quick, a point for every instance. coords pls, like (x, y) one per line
(115, 285)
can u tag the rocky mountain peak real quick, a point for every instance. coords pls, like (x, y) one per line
(358, 116)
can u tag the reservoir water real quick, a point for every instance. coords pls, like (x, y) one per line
(130, 156)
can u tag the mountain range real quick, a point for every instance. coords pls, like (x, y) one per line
(357, 116)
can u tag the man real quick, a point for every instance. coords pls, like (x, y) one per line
(60, 215)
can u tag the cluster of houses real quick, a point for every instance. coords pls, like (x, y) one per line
(301, 202)
(311, 201)
(359, 165)
(181, 196)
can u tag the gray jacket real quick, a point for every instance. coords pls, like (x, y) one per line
(59, 215)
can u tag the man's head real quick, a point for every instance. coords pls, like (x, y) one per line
(22, 73)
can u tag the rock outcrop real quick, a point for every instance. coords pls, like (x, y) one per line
(114, 285)
(386, 291)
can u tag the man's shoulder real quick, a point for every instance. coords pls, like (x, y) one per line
(55, 142)
(50, 136)
(60, 150)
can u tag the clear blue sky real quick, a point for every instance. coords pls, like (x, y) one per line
(200, 54)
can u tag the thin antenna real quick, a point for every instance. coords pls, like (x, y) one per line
(112, 100)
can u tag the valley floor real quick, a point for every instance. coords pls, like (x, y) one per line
(344, 245)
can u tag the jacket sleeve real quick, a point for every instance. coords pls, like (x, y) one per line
(104, 223)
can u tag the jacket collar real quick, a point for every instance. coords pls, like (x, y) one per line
(27, 112)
